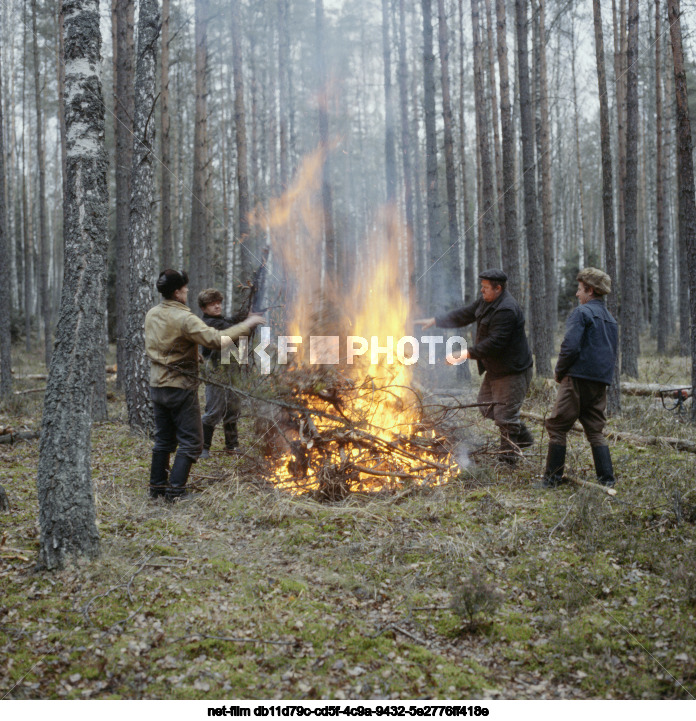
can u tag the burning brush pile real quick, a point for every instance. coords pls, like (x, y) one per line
(345, 418)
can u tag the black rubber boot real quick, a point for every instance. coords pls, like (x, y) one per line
(555, 463)
(207, 440)
(603, 465)
(231, 436)
(159, 474)
(178, 477)
(524, 438)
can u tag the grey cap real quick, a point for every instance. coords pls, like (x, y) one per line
(596, 279)
(493, 274)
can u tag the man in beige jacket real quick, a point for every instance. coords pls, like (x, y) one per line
(172, 336)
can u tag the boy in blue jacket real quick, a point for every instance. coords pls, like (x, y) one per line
(584, 369)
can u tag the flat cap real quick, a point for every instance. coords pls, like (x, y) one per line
(493, 274)
(596, 279)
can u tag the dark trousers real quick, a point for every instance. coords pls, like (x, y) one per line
(222, 405)
(177, 421)
(508, 393)
(578, 400)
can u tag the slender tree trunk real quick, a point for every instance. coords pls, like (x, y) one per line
(198, 239)
(663, 260)
(140, 238)
(685, 172)
(545, 163)
(241, 143)
(66, 504)
(489, 255)
(539, 335)
(326, 192)
(283, 89)
(469, 234)
(619, 23)
(406, 150)
(509, 198)
(630, 305)
(613, 394)
(166, 220)
(584, 231)
(390, 121)
(449, 258)
(5, 264)
(123, 132)
(44, 253)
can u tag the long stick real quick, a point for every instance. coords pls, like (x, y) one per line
(606, 489)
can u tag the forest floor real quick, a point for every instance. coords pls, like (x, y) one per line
(248, 592)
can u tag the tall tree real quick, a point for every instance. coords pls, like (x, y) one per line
(630, 288)
(66, 504)
(511, 259)
(5, 263)
(613, 392)
(123, 135)
(198, 241)
(140, 221)
(44, 252)
(685, 172)
(663, 259)
(450, 259)
(489, 248)
(389, 119)
(539, 330)
(165, 145)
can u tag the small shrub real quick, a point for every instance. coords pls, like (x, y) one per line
(475, 600)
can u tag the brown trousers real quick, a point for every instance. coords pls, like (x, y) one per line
(578, 400)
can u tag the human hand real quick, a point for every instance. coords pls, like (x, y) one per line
(463, 356)
(253, 320)
(426, 323)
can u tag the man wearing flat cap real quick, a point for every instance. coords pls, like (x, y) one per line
(502, 354)
(584, 369)
(172, 335)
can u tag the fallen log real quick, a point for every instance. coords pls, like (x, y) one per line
(679, 444)
(649, 390)
(44, 376)
(23, 436)
(30, 390)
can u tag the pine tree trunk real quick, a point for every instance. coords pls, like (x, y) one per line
(449, 256)
(198, 239)
(389, 119)
(630, 295)
(123, 132)
(584, 232)
(685, 172)
(43, 233)
(283, 82)
(545, 162)
(538, 329)
(663, 260)
(142, 272)
(5, 264)
(613, 393)
(243, 208)
(166, 220)
(66, 504)
(489, 255)
(509, 241)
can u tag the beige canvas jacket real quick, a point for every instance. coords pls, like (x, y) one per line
(172, 335)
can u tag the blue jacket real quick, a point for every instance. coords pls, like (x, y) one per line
(501, 346)
(588, 350)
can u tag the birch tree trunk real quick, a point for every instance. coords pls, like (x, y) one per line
(123, 134)
(389, 119)
(685, 172)
(509, 241)
(630, 295)
(142, 272)
(538, 329)
(66, 504)
(613, 392)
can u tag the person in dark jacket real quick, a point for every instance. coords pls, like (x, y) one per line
(584, 369)
(220, 404)
(502, 354)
